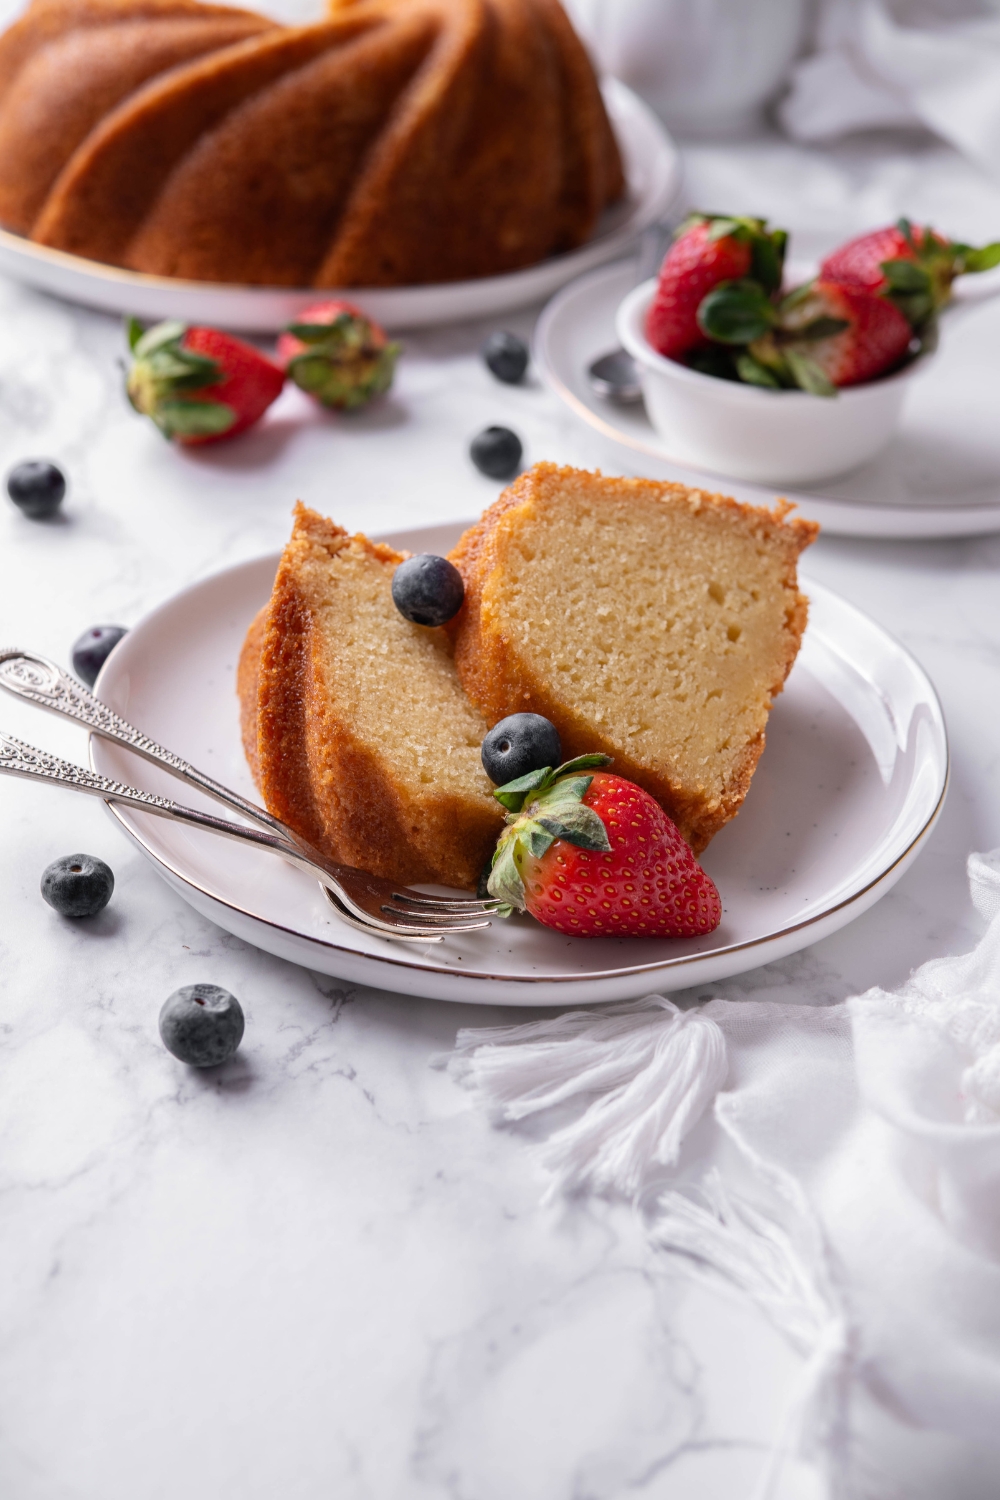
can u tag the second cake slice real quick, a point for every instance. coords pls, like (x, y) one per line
(650, 621)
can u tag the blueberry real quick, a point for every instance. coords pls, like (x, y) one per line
(496, 451)
(519, 744)
(506, 357)
(93, 648)
(202, 1025)
(427, 589)
(78, 885)
(37, 488)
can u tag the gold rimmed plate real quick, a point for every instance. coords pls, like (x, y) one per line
(849, 787)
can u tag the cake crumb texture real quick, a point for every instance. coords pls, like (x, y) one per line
(364, 742)
(650, 621)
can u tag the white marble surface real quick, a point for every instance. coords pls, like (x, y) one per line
(317, 1272)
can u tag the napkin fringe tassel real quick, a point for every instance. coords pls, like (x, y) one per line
(640, 1075)
(779, 1262)
(648, 1069)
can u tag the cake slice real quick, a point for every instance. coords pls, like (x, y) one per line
(646, 620)
(354, 721)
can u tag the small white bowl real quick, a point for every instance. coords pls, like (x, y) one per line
(773, 437)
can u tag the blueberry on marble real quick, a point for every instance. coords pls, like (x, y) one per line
(496, 452)
(93, 648)
(202, 1025)
(427, 590)
(519, 744)
(506, 357)
(37, 488)
(78, 885)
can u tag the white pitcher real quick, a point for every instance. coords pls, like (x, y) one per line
(706, 66)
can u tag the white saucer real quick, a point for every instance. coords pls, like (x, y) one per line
(652, 167)
(851, 782)
(939, 477)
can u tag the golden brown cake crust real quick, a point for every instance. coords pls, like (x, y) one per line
(42, 123)
(248, 687)
(399, 142)
(500, 676)
(318, 767)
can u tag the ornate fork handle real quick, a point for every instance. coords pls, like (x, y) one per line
(44, 683)
(361, 898)
(19, 759)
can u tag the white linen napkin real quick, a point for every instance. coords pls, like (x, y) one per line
(850, 1185)
(879, 63)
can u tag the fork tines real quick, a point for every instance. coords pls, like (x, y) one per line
(439, 921)
(417, 902)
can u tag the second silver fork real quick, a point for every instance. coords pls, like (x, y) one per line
(360, 898)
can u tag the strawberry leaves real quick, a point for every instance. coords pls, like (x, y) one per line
(807, 375)
(736, 312)
(543, 806)
(768, 258)
(919, 284)
(338, 356)
(769, 340)
(162, 376)
(983, 259)
(513, 793)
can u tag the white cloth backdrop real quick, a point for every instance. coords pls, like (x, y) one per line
(913, 62)
(845, 1172)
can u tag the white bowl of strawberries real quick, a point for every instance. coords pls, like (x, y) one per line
(746, 377)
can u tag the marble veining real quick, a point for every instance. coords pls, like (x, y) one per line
(317, 1272)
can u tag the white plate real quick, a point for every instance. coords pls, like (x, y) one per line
(939, 477)
(652, 168)
(849, 786)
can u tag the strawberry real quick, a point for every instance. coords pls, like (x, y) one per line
(593, 855)
(819, 337)
(333, 352)
(197, 384)
(913, 266)
(831, 336)
(708, 249)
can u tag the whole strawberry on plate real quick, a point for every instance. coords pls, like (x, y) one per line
(199, 385)
(333, 352)
(593, 855)
(912, 265)
(709, 249)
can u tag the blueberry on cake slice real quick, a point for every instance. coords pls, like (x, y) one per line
(646, 620)
(355, 723)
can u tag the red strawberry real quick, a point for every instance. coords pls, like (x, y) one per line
(593, 855)
(832, 336)
(708, 249)
(197, 384)
(336, 354)
(912, 265)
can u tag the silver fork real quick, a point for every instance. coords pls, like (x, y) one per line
(360, 898)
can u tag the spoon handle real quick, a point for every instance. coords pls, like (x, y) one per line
(42, 682)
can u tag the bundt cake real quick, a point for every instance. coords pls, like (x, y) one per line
(398, 142)
(650, 621)
(354, 721)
